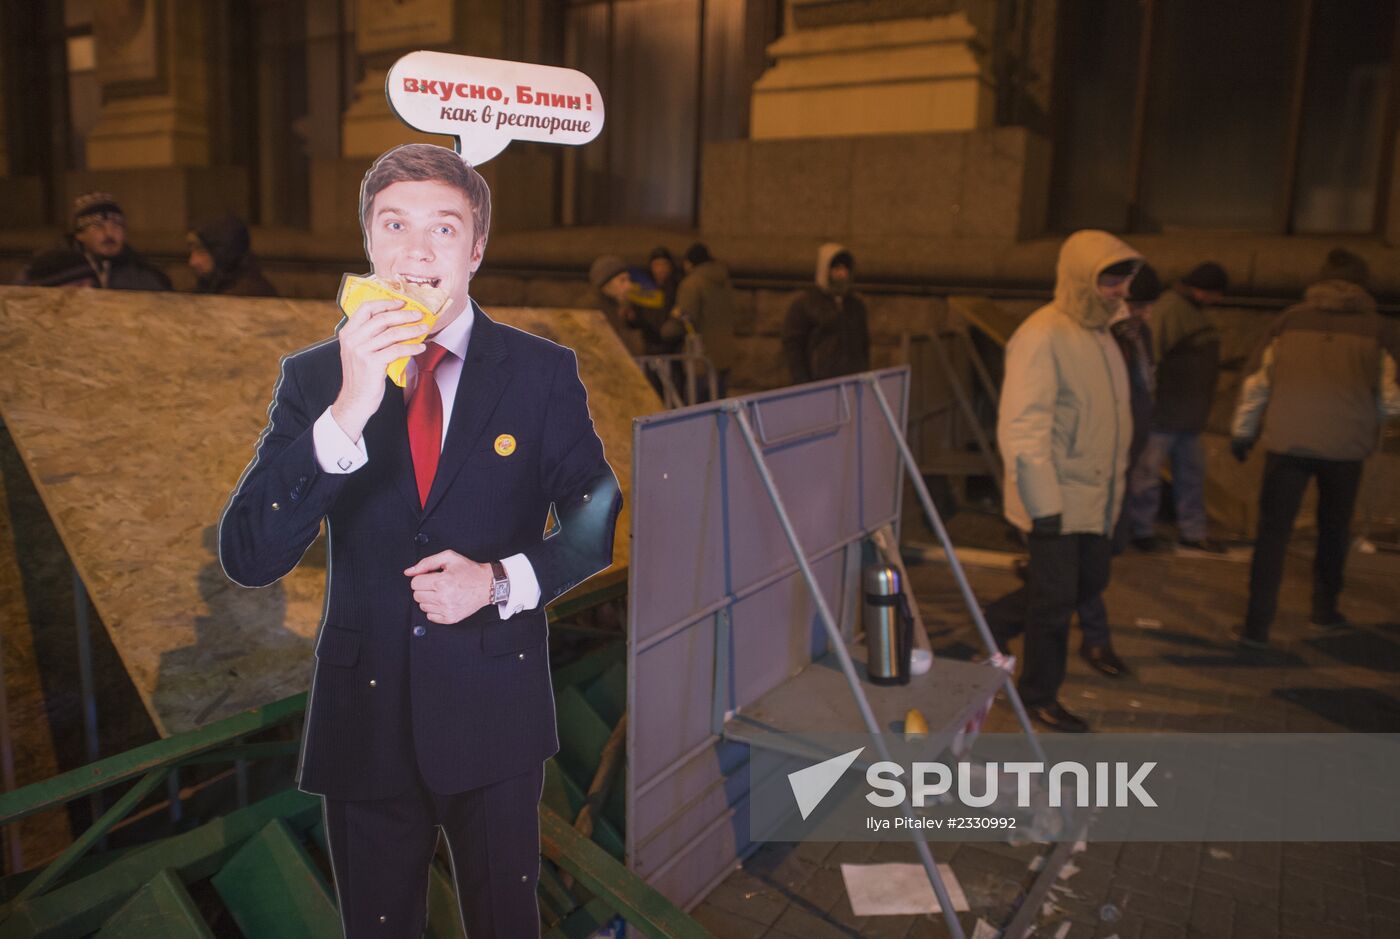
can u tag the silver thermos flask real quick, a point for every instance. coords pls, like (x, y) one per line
(889, 633)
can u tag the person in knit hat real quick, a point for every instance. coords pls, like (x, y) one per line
(1188, 362)
(1314, 396)
(99, 234)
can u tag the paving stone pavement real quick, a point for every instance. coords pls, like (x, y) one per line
(1170, 614)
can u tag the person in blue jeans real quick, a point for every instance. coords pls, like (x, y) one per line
(1188, 362)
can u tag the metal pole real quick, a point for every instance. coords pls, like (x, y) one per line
(85, 682)
(838, 645)
(966, 589)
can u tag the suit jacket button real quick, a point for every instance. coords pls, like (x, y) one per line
(276, 507)
(420, 630)
(373, 683)
(521, 656)
(587, 497)
(420, 538)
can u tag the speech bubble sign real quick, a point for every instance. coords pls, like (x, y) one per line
(487, 103)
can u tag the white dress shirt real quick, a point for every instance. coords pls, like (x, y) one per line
(337, 453)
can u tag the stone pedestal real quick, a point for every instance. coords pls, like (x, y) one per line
(897, 76)
(982, 184)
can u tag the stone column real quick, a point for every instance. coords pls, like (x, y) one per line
(877, 67)
(150, 146)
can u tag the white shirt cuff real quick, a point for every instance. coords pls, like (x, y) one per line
(524, 586)
(335, 451)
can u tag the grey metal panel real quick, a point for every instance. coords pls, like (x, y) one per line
(766, 655)
(706, 538)
(671, 690)
(655, 807)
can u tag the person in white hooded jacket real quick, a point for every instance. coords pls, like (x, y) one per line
(1064, 427)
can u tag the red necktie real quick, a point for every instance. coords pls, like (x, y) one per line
(425, 420)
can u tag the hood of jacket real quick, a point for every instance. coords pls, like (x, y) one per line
(1340, 296)
(824, 255)
(226, 239)
(1083, 257)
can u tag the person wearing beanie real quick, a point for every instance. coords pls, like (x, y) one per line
(1132, 332)
(706, 307)
(61, 267)
(99, 234)
(1063, 428)
(1187, 347)
(609, 291)
(827, 332)
(222, 257)
(1314, 396)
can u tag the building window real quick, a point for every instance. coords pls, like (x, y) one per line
(1255, 115)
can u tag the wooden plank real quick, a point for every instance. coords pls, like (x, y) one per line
(640, 904)
(81, 907)
(179, 374)
(160, 910)
(273, 890)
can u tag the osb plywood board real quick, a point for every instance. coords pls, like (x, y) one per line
(135, 413)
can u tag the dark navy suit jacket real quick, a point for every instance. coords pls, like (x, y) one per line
(469, 703)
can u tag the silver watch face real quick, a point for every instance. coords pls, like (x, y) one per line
(500, 591)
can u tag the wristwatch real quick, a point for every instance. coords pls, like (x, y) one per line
(500, 583)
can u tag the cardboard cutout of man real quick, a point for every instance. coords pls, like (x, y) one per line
(431, 704)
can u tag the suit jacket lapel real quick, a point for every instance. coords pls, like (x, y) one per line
(484, 376)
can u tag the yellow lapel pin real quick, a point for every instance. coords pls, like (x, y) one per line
(505, 445)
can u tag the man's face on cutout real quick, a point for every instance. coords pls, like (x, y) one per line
(423, 232)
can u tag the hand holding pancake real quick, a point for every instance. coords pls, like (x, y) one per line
(369, 341)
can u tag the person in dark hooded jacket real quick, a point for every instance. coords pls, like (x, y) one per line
(221, 254)
(827, 332)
